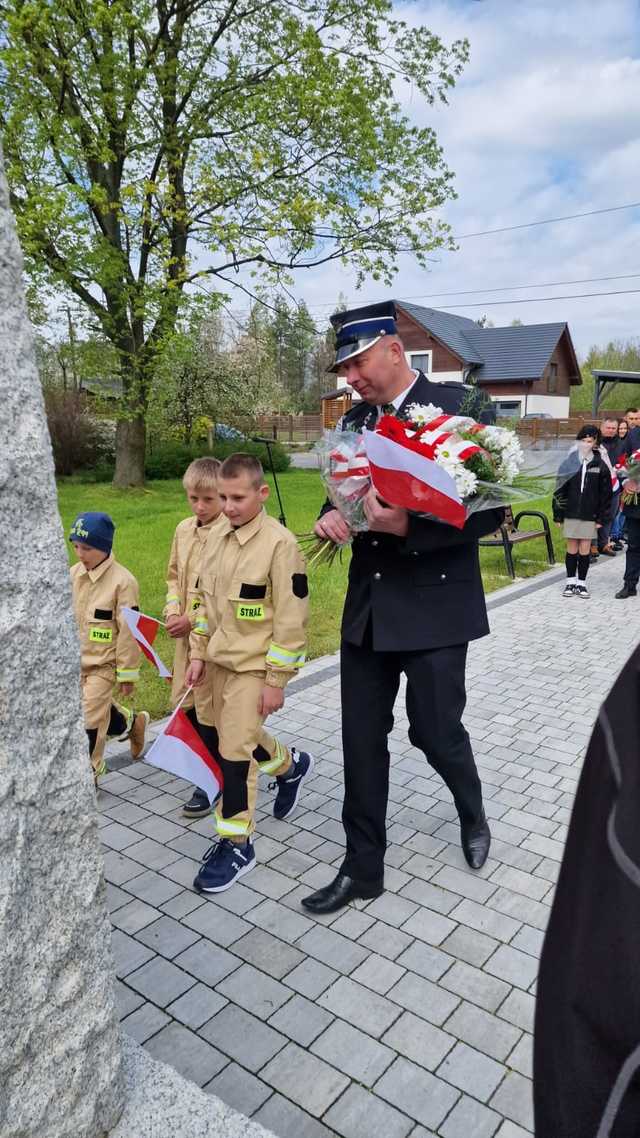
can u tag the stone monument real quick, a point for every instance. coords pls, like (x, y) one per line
(60, 1055)
(65, 1070)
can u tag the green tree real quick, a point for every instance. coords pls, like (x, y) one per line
(619, 355)
(153, 144)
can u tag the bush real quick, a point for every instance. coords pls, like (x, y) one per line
(170, 460)
(76, 437)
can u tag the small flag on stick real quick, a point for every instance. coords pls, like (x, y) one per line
(143, 629)
(181, 751)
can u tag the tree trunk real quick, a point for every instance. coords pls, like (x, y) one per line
(130, 452)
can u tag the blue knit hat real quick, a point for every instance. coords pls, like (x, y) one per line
(95, 530)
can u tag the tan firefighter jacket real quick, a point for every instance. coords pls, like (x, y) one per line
(183, 569)
(254, 590)
(105, 640)
(182, 596)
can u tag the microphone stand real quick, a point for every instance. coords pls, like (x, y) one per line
(268, 443)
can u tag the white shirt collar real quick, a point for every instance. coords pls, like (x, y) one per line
(399, 399)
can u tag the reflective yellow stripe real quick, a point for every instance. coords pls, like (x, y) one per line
(282, 658)
(230, 827)
(171, 599)
(127, 675)
(201, 626)
(280, 757)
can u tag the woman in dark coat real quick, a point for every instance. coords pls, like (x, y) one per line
(582, 503)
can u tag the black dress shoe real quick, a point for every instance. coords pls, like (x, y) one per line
(342, 890)
(625, 592)
(476, 841)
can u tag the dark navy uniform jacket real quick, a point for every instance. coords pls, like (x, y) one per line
(424, 590)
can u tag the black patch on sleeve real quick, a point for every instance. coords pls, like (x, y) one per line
(136, 608)
(253, 592)
(103, 614)
(300, 585)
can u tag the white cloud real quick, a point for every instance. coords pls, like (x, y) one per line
(543, 123)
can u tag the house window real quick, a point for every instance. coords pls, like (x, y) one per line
(553, 378)
(508, 408)
(421, 361)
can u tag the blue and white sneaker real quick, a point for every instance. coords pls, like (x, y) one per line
(223, 864)
(290, 784)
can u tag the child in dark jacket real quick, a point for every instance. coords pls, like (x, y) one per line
(582, 503)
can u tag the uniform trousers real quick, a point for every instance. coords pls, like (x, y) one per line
(632, 559)
(435, 702)
(241, 746)
(102, 716)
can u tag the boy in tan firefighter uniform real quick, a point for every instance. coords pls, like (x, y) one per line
(109, 654)
(182, 600)
(250, 629)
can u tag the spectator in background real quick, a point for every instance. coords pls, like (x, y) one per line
(623, 427)
(582, 503)
(632, 440)
(611, 448)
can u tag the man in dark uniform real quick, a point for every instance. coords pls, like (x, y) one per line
(414, 601)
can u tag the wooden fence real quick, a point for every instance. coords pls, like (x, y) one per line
(535, 429)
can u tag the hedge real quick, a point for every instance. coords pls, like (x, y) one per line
(170, 460)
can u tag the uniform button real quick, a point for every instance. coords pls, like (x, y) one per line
(375, 544)
(443, 576)
(415, 552)
(377, 576)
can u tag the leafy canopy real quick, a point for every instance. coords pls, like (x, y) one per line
(151, 143)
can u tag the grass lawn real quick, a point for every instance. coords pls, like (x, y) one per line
(145, 521)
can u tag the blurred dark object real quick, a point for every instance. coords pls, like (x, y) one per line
(587, 1029)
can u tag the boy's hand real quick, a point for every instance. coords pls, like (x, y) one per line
(195, 674)
(272, 699)
(126, 689)
(178, 626)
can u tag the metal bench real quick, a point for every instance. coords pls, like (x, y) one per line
(509, 535)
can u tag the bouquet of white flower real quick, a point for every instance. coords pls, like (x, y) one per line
(444, 467)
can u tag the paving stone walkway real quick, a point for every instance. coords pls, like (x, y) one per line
(410, 1015)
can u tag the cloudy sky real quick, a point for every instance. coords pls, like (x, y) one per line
(544, 122)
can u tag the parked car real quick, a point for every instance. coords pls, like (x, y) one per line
(537, 415)
(226, 433)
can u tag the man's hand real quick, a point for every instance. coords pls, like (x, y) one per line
(126, 689)
(195, 674)
(333, 526)
(178, 626)
(272, 699)
(385, 519)
(632, 486)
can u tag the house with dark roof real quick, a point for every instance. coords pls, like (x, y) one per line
(524, 368)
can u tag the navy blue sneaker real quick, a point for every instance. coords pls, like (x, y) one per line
(223, 864)
(290, 784)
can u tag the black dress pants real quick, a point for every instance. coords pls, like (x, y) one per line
(632, 562)
(435, 700)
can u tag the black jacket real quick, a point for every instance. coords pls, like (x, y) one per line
(588, 1005)
(424, 590)
(630, 443)
(588, 502)
(614, 448)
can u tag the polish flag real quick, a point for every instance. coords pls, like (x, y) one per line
(143, 629)
(404, 477)
(180, 751)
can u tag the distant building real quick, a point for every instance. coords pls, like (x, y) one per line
(524, 368)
